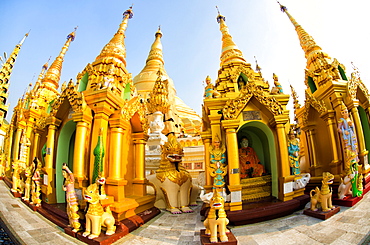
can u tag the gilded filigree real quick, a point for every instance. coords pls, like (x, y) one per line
(234, 107)
(319, 106)
(41, 123)
(241, 70)
(354, 83)
(136, 105)
(158, 100)
(171, 167)
(75, 99)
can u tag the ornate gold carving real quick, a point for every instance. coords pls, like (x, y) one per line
(136, 105)
(158, 100)
(354, 83)
(171, 162)
(234, 107)
(75, 99)
(319, 106)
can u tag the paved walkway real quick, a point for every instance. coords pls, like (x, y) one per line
(349, 226)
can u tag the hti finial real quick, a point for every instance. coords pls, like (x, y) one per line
(258, 68)
(282, 7)
(129, 12)
(219, 16)
(72, 34)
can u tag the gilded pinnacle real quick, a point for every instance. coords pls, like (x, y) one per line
(116, 46)
(230, 51)
(52, 76)
(307, 42)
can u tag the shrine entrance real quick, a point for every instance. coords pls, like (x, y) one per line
(261, 140)
(65, 149)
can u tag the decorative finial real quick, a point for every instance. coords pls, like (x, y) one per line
(72, 35)
(46, 65)
(129, 12)
(282, 7)
(258, 68)
(219, 16)
(159, 33)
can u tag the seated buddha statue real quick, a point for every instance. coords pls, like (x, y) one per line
(250, 165)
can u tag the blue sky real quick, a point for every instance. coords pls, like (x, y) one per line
(191, 37)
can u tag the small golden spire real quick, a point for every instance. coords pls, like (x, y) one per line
(155, 52)
(52, 76)
(296, 105)
(230, 51)
(116, 46)
(258, 68)
(308, 44)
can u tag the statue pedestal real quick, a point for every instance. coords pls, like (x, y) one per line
(31, 206)
(16, 194)
(320, 214)
(204, 239)
(347, 201)
(103, 239)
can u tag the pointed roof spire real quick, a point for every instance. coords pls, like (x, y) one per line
(144, 81)
(41, 75)
(230, 51)
(156, 49)
(52, 76)
(308, 44)
(5, 72)
(116, 46)
(6, 69)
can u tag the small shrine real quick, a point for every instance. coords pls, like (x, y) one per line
(252, 121)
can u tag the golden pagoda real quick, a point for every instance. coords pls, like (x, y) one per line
(177, 115)
(328, 88)
(244, 108)
(64, 125)
(155, 86)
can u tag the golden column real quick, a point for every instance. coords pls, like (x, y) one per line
(83, 122)
(140, 181)
(115, 181)
(50, 196)
(359, 131)
(329, 117)
(207, 138)
(9, 151)
(283, 164)
(18, 134)
(215, 121)
(312, 148)
(36, 142)
(104, 103)
(235, 188)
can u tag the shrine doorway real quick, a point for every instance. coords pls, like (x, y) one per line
(64, 154)
(261, 139)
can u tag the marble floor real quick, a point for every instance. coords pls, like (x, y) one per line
(349, 226)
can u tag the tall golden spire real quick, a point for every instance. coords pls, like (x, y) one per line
(52, 76)
(320, 67)
(116, 46)
(230, 51)
(307, 43)
(5, 72)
